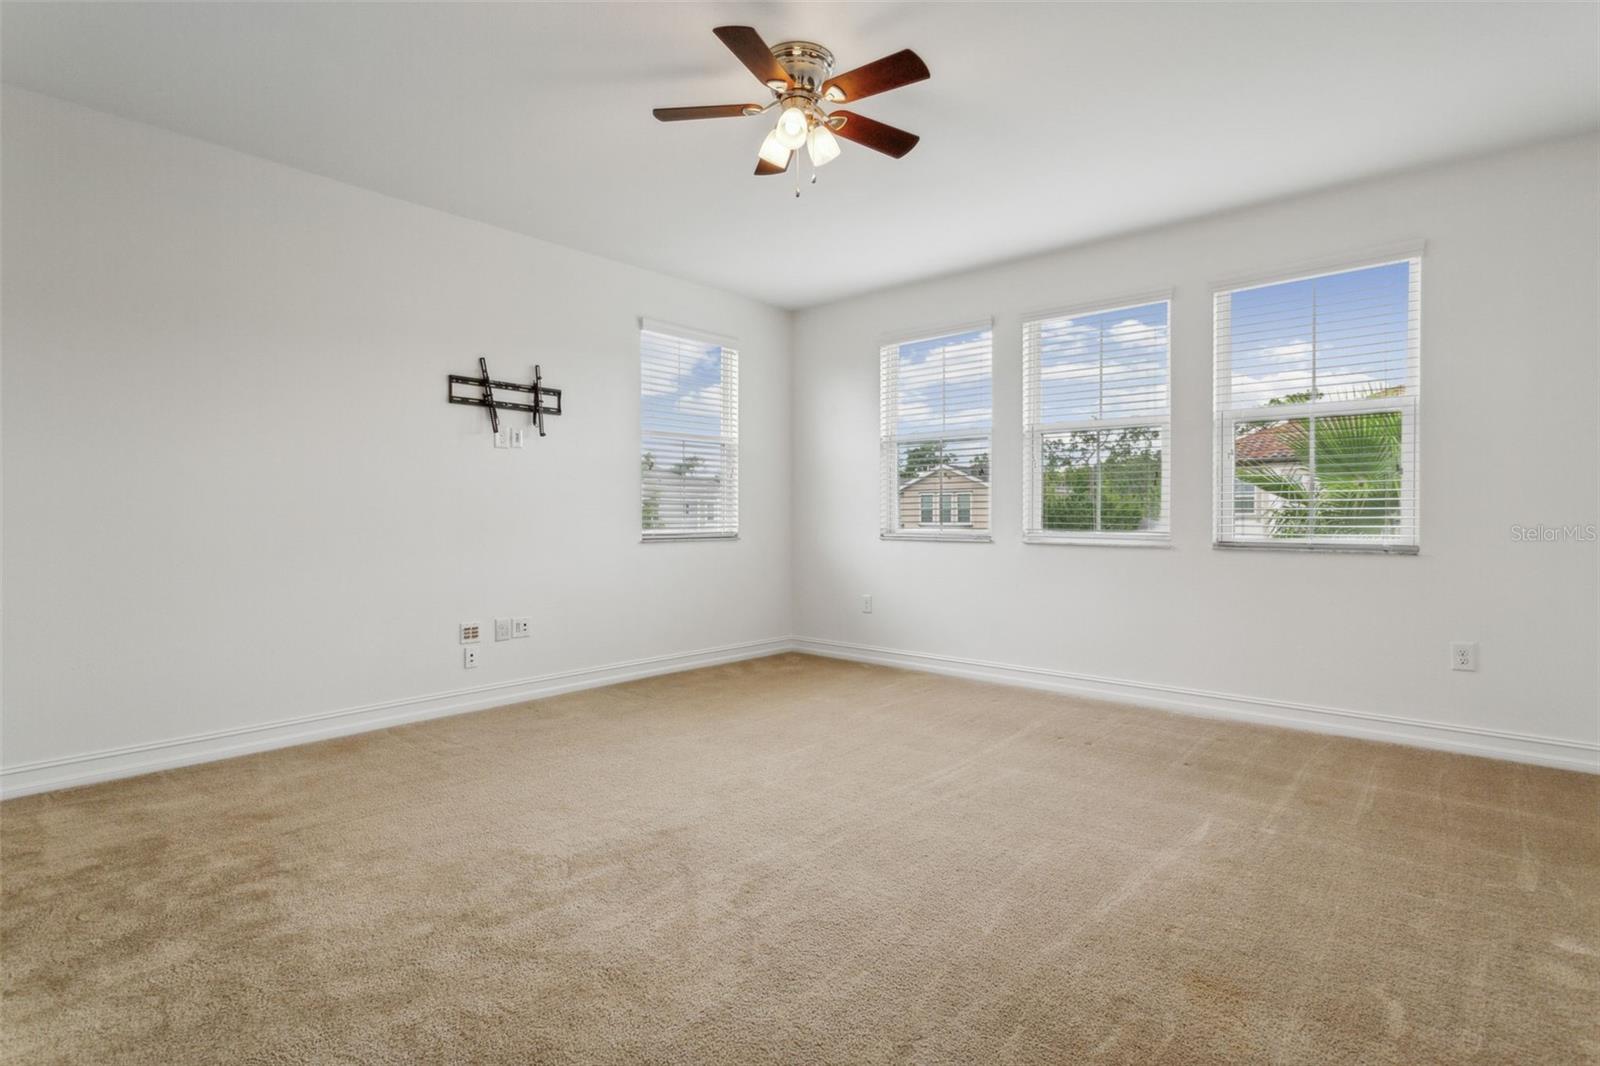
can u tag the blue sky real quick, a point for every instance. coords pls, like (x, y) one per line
(683, 395)
(1108, 364)
(944, 385)
(1355, 324)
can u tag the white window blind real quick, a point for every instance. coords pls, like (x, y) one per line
(1096, 420)
(935, 425)
(688, 435)
(1317, 390)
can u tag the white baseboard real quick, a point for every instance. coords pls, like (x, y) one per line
(90, 767)
(1469, 740)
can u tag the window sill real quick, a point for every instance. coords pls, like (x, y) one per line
(1334, 547)
(1107, 541)
(941, 538)
(663, 538)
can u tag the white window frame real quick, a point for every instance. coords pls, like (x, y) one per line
(1227, 415)
(1034, 432)
(889, 442)
(728, 439)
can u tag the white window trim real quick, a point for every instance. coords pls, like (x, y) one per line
(888, 453)
(1033, 434)
(729, 344)
(1410, 407)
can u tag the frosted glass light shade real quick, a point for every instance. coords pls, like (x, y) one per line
(823, 146)
(774, 152)
(792, 127)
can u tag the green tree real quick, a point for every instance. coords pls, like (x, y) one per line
(1102, 480)
(1351, 484)
(650, 505)
(921, 458)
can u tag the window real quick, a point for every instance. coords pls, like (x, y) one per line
(934, 435)
(1317, 386)
(688, 434)
(1244, 498)
(1096, 419)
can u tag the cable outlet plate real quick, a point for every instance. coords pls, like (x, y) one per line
(469, 657)
(522, 627)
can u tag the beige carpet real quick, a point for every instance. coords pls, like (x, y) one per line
(801, 861)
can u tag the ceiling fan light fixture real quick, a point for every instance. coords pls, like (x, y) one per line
(793, 126)
(822, 146)
(800, 76)
(774, 151)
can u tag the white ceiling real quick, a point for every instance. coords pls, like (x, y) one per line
(1043, 125)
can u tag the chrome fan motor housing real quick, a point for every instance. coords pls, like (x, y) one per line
(807, 63)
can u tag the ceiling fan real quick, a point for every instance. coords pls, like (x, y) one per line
(800, 76)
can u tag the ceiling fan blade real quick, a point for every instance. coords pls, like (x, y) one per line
(876, 135)
(879, 76)
(678, 114)
(746, 44)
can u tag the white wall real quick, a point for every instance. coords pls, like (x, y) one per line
(235, 494)
(1510, 343)
(238, 511)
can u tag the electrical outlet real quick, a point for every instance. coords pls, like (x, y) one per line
(502, 629)
(1464, 655)
(469, 658)
(521, 627)
(502, 438)
(471, 632)
(866, 604)
(518, 436)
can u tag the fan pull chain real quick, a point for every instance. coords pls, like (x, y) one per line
(813, 180)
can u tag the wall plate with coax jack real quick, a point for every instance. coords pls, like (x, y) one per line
(521, 627)
(469, 657)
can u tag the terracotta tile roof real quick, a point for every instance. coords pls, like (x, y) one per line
(1269, 444)
(1272, 443)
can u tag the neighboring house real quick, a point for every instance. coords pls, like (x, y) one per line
(681, 501)
(944, 496)
(1268, 450)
